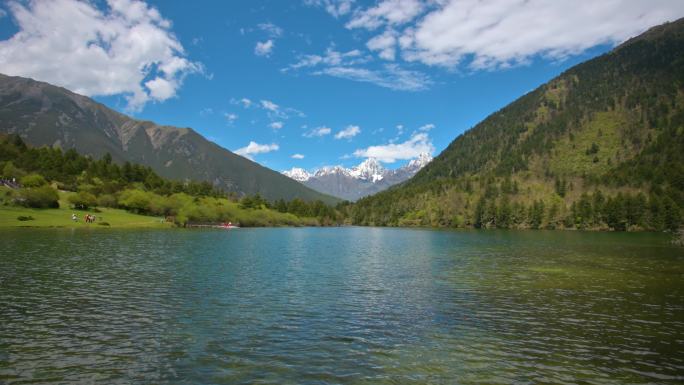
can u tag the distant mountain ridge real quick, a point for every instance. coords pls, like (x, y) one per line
(47, 115)
(354, 183)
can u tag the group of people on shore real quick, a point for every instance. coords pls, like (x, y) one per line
(88, 218)
(11, 183)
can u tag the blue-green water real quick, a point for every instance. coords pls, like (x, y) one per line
(340, 305)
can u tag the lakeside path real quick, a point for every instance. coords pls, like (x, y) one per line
(61, 217)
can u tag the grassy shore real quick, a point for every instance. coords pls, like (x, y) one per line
(119, 218)
(17, 216)
(61, 217)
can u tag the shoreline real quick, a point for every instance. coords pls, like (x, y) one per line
(60, 218)
(107, 218)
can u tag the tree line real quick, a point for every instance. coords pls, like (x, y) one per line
(89, 183)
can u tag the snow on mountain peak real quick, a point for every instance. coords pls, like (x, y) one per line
(298, 174)
(331, 170)
(421, 161)
(369, 169)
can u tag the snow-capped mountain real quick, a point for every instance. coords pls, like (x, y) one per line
(298, 174)
(354, 183)
(370, 170)
(331, 170)
(416, 164)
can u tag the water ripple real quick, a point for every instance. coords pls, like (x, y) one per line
(339, 306)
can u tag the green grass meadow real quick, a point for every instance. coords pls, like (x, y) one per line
(61, 217)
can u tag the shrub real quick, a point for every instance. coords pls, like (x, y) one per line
(33, 180)
(72, 186)
(39, 197)
(136, 200)
(107, 200)
(7, 196)
(9, 171)
(82, 200)
(24, 218)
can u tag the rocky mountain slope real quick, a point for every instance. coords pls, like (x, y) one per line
(46, 115)
(351, 184)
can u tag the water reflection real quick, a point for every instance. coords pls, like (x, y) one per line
(350, 305)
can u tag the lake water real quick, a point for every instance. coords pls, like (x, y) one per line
(340, 306)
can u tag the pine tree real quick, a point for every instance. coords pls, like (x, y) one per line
(504, 214)
(597, 207)
(584, 212)
(551, 217)
(616, 216)
(635, 209)
(479, 213)
(561, 187)
(672, 214)
(536, 215)
(656, 213)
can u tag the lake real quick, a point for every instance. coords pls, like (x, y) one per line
(340, 306)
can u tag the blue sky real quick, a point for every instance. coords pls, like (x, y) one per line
(314, 82)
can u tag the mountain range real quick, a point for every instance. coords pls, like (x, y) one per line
(47, 115)
(601, 145)
(354, 183)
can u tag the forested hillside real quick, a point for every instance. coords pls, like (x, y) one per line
(46, 115)
(600, 146)
(40, 177)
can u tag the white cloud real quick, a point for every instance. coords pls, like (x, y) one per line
(318, 132)
(254, 148)
(293, 111)
(276, 112)
(391, 12)
(125, 49)
(244, 102)
(230, 117)
(276, 125)
(3, 13)
(297, 156)
(336, 8)
(264, 48)
(385, 43)
(391, 76)
(346, 65)
(269, 105)
(426, 127)
(331, 57)
(504, 33)
(418, 143)
(273, 30)
(206, 111)
(161, 89)
(348, 133)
